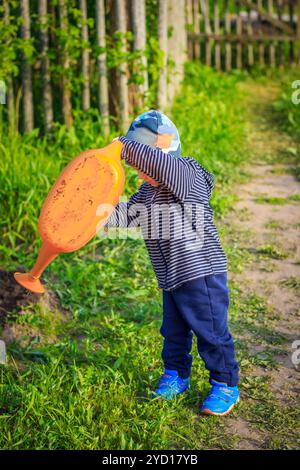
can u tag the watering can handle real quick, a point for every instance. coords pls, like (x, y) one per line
(111, 151)
(114, 149)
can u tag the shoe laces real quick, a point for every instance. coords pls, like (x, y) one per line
(219, 392)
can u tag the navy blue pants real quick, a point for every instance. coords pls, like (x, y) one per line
(199, 306)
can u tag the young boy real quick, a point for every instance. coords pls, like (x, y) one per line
(191, 269)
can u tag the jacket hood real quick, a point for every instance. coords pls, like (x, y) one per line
(146, 127)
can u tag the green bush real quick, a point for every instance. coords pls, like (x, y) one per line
(288, 112)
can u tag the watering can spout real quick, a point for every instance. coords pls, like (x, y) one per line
(69, 218)
(31, 280)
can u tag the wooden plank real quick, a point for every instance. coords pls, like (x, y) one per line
(228, 54)
(279, 48)
(250, 33)
(162, 90)
(205, 12)
(271, 45)
(238, 32)
(190, 25)
(189, 12)
(298, 31)
(216, 31)
(261, 47)
(264, 14)
(245, 38)
(197, 49)
(291, 43)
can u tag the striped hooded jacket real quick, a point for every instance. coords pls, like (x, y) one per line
(182, 199)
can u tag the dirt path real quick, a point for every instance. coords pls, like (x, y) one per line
(265, 222)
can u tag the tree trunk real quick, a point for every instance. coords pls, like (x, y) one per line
(143, 44)
(139, 43)
(65, 82)
(177, 45)
(10, 88)
(122, 70)
(102, 70)
(163, 44)
(26, 70)
(86, 100)
(190, 23)
(46, 77)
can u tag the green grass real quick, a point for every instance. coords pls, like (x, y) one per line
(82, 379)
(288, 116)
(278, 425)
(277, 200)
(275, 225)
(291, 282)
(85, 381)
(271, 200)
(272, 251)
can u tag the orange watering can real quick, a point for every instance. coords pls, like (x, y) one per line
(69, 218)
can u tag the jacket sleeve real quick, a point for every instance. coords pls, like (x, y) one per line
(176, 174)
(124, 214)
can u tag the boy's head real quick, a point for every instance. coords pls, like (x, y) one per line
(157, 130)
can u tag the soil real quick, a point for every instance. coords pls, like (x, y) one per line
(16, 301)
(266, 224)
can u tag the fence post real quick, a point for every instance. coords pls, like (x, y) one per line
(298, 31)
(261, 47)
(205, 12)
(216, 28)
(291, 22)
(228, 44)
(190, 27)
(271, 45)
(197, 49)
(279, 48)
(239, 33)
(250, 32)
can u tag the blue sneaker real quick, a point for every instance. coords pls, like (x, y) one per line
(170, 385)
(220, 400)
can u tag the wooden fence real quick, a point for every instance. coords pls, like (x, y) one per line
(230, 34)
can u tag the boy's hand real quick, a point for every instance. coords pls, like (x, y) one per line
(115, 138)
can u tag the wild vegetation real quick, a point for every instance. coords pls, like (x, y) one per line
(64, 61)
(83, 359)
(81, 379)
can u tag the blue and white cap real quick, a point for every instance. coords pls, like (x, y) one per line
(146, 127)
